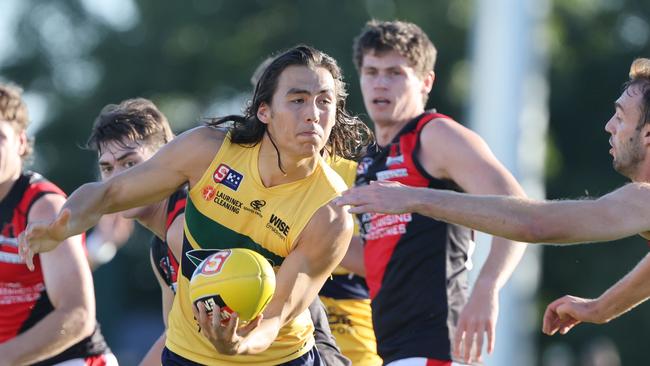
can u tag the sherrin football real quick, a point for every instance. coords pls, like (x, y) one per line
(237, 280)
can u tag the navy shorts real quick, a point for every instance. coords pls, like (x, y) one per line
(311, 358)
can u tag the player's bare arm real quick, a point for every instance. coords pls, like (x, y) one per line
(182, 160)
(69, 286)
(568, 311)
(318, 250)
(616, 215)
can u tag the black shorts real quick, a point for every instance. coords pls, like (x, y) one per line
(310, 358)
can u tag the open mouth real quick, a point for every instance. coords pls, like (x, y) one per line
(380, 101)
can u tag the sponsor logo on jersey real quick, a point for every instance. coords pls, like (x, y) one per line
(278, 226)
(208, 193)
(376, 226)
(392, 173)
(255, 207)
(228, 202)
(227, 176)
(392, 160)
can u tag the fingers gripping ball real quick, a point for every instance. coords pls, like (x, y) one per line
(237, 280)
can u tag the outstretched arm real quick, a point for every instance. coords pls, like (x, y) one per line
(69, 286)
(568, 311)
(180, 161)
(616, 215)
(318, 251)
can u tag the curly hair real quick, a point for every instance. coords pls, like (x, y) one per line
(349, 135)
(640, 76)
(14, 110)
(406, 38)
(134, 121)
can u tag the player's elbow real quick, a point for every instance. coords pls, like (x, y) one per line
(79, 323)
(537, 230)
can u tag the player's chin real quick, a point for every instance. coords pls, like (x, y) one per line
(311, 148)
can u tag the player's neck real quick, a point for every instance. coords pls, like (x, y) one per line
(6, 184)
(154, 218)
(289, 169)
(386, 131)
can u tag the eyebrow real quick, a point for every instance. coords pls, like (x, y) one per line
(304, 91)
(618, 106)
(120, 158)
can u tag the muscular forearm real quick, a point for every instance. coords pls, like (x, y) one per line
(86, 205)
(261, 337)
(626, 294)
(502, 216)
(52, 335)
(516, 218)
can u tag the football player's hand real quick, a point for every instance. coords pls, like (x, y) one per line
(226, 335)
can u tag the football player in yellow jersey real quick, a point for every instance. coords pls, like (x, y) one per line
(298, 109)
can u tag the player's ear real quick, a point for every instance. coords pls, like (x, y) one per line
(23, 145)
(427, 82)
(264, 113)
(645, 134)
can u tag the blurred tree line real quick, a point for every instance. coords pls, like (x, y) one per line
(194, 59)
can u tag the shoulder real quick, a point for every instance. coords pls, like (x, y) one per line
(449, 142)
(346, 168)
(447, 131)
(44, 198)
(334, 176)
(192, 151)
(202, 136)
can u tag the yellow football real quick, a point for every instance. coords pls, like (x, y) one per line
(237, 280)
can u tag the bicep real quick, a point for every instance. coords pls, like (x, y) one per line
(145, 183)
(462, 156)
(623, 212)
(181, 161)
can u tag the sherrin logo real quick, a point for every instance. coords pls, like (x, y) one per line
(214, 263)
(227, 176)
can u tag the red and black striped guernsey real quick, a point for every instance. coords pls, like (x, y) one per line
(415, 265)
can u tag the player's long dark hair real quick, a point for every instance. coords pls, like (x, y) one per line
(349, 135)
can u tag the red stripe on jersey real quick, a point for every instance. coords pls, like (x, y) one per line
(179, 208)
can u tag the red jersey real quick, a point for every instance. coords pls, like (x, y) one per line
(23, 297)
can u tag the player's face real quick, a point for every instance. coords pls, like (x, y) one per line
(303, 110)
(12, 146)
(392, 91)
(627, 138)
(116, 158)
